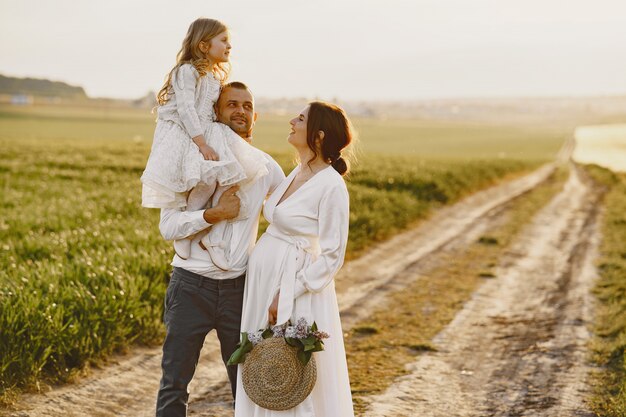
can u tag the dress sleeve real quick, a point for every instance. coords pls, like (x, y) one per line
(334, 216)
(184, 81)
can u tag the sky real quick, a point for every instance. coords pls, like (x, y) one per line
(328, 49)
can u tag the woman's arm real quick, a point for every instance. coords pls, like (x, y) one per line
(334, 216)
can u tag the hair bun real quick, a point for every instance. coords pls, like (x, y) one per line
(340, 165)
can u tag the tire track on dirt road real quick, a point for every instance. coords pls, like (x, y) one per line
(518, 347)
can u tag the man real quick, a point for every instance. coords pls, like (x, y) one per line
(200, 296)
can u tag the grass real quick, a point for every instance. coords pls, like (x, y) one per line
(424, 139)
(609, 345)
(83, 268)
(414, 315)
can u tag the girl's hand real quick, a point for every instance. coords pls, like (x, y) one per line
(273, 310)
(208, 153)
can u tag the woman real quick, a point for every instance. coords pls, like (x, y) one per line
(291, 270)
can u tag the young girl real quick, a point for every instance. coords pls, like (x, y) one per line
(193, 158)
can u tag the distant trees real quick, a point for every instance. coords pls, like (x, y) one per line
(39, 87)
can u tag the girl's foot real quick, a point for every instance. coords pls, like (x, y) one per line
(216, 252)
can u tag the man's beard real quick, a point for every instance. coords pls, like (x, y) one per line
(243, 130)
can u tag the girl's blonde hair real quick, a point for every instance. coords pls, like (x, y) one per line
(200, 30)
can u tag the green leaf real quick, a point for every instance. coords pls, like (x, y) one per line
(309, 340)
(267, 333)
(303, 357)
(239, 355)
(292, 341)
(314, 327)
(236, 357)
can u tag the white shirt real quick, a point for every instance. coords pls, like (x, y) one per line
(177, 224)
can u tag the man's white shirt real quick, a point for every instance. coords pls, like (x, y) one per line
(177, 224)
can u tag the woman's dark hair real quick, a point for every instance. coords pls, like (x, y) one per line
(338, 133)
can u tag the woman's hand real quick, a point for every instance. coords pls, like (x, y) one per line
(208, 153)
(273, 310)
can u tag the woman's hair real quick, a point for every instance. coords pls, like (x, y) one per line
(201, 29)
(338, 133)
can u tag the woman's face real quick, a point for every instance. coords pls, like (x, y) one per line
(297, 136)
(217, 49)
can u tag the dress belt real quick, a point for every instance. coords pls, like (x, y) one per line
(294, 261)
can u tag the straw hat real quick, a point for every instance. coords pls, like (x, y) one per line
(274, 378)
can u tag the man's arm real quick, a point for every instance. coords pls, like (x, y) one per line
(176, 224)
(276, 175)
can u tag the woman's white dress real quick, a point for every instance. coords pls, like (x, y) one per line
(300, 253)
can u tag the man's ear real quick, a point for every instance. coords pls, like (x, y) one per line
(254, 116)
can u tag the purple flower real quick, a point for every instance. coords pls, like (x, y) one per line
(279, 331)
(290, 332)
(302, 328)
(255, 338)
(321, 335)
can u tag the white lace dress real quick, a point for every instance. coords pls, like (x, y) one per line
(175, 164)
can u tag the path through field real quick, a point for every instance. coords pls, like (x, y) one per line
(515, 349)
(518, 348)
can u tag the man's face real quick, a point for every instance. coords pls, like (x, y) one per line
(235, 108)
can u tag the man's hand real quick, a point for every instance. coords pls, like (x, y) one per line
(208, 153)
(227, 207)
(272, 312)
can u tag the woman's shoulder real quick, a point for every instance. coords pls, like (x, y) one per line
(334, 176)
(334, 181)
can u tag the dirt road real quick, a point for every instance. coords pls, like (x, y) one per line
(518, 346)
(529, 323)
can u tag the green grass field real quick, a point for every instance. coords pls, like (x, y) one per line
(83, 268)
(423, 139)
(609, 346)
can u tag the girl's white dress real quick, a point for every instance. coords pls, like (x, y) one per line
(175, 164)
(300, 253)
